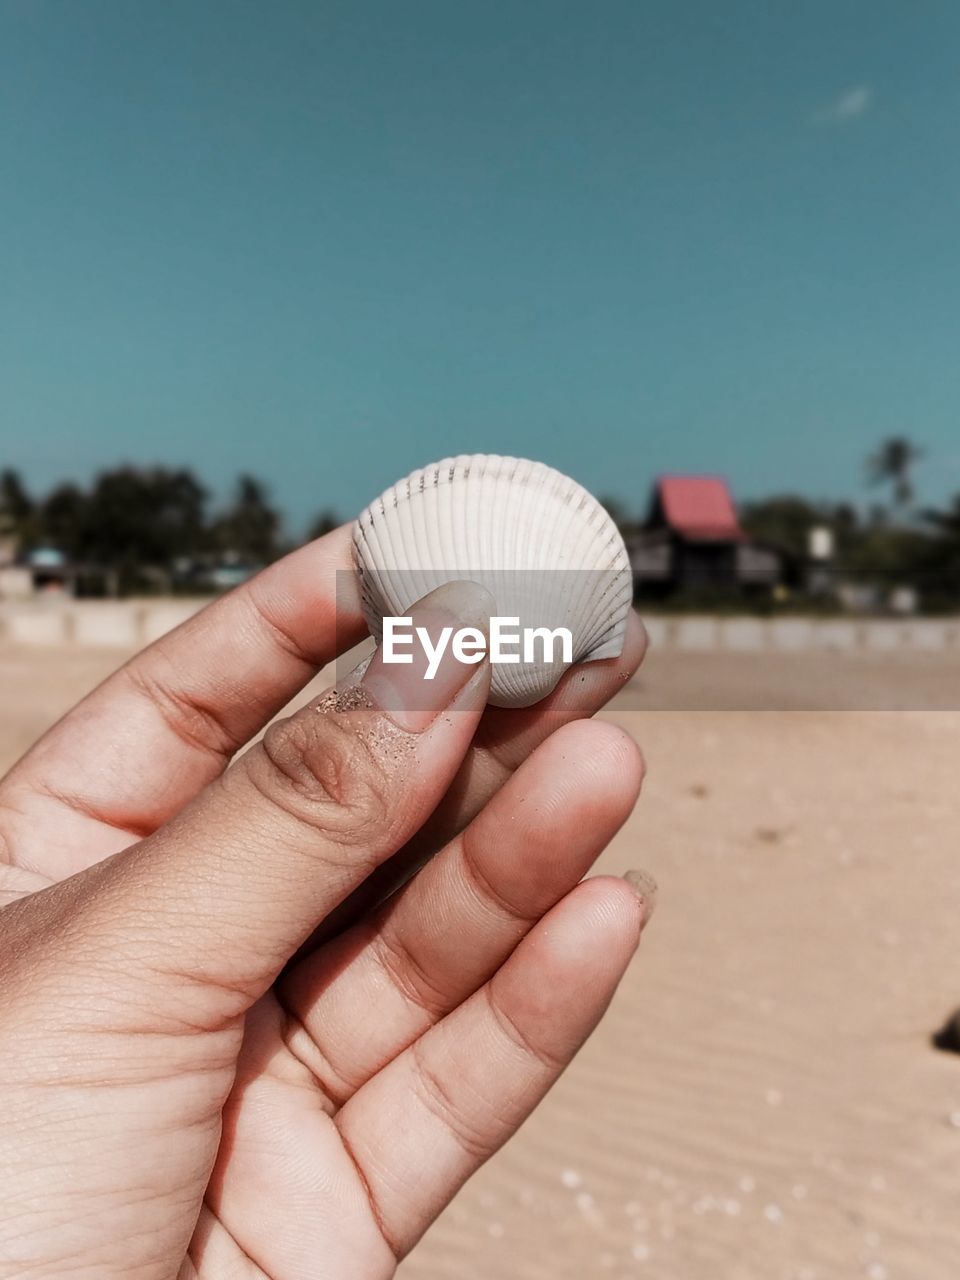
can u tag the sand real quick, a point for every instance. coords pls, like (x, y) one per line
(762, 1101)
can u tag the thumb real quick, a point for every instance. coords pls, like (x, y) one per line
(226, 892)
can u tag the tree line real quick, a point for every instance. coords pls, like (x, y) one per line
(146, 525)
(893, 542)
(154, 527)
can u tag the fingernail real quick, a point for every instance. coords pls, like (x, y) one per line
(645, 887)
(414, 692)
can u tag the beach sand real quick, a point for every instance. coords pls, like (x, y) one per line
(762, 1101)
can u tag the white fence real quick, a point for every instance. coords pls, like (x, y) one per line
(131, 624)
(702, 633)
(100, 624)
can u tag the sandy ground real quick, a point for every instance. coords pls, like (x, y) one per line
(762, 1102)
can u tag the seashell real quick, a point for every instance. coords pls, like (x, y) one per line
(543, 546)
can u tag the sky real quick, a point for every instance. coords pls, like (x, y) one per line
(327, 242)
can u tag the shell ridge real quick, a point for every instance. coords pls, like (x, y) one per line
(537, 539)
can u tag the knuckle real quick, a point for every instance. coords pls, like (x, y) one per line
(441, 1100)
(185, 714)
(408, 976)
(512, 1031)
(486, 892)
(324, 776)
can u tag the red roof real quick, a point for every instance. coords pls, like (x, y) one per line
(699, 507)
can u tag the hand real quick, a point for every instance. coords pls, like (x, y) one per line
(183, 1099)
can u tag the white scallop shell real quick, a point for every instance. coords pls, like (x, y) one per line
(539, 542)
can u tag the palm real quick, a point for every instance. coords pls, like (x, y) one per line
(318, 1132)
(275, 1113)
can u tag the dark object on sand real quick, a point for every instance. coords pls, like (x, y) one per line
(948, 1037)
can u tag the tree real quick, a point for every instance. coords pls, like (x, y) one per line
(783, 522)
(942, 567)
(17, 511)
(946, 522)
(325, 522)
(890, 555)
(15, 503)
(134, 521)
(144, 517)
(250, 526)
(62, 519)
(892, 464)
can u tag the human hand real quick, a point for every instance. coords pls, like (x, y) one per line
(183, 1099)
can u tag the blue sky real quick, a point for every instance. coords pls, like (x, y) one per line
(327, 242)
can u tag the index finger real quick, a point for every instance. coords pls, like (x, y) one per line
(142, 744)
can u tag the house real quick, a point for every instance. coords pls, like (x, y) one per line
(692, 542)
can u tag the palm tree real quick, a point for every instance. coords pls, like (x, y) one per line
(892, 464)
